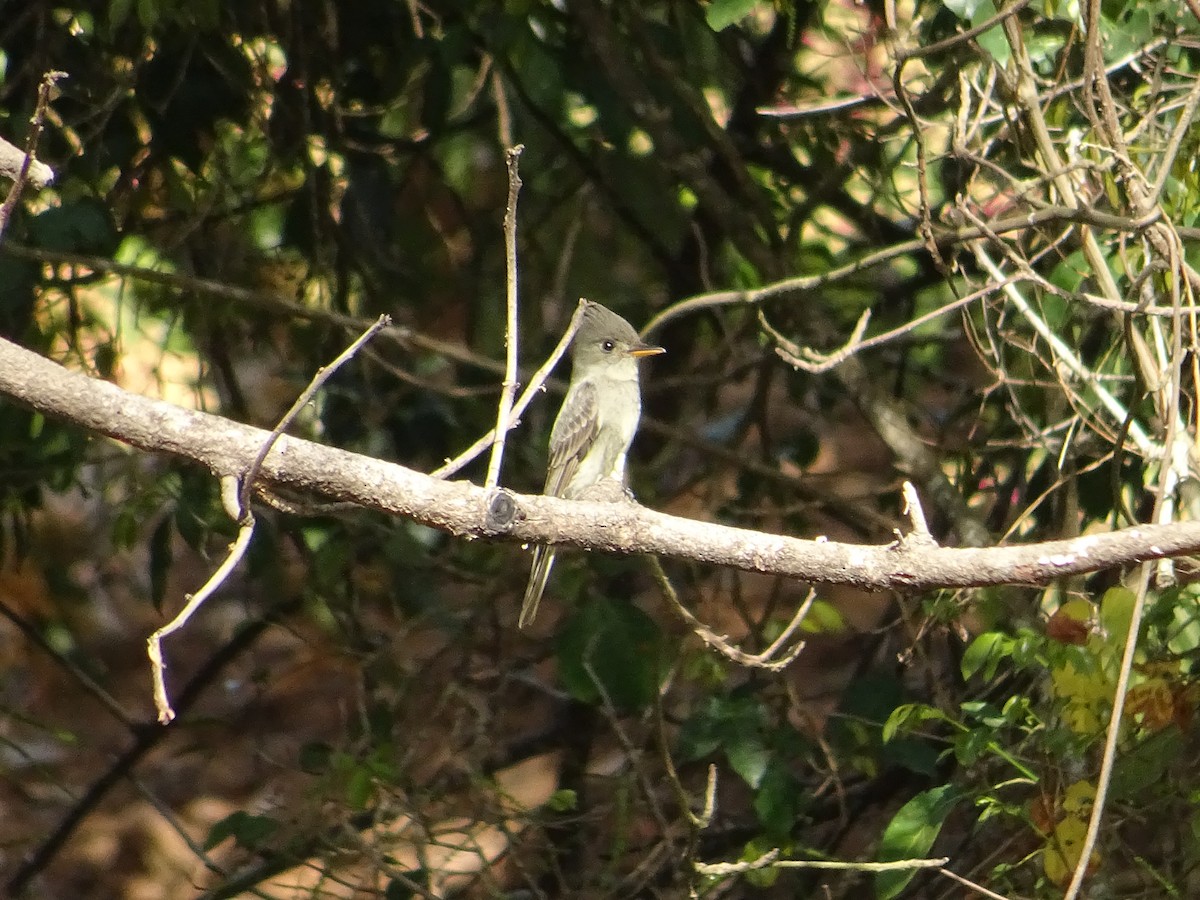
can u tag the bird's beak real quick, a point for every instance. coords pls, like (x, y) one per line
(645, 350)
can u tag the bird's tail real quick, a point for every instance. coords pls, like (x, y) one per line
(539, 574)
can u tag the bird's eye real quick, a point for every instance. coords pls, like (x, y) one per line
(608, 346)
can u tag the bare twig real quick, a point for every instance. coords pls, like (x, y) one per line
(401, 335)
(916, 515)
(162, 701)
(86, 681)
(535, 385)
(769, 860)
(318, 380)
(1109, 757)
(814, 361)
(1186, 116)
(42, 175)
(240, 508)
(800, 283)
(751, 865)
(967, 883)
(512, 158)
(768, 659)
(1062, 352)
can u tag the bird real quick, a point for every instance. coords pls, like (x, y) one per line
(596, 424)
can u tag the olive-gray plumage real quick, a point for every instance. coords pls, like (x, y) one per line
(595, 425)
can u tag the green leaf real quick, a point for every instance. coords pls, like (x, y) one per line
(563, 801)
(907, 717)
(83, 226)
(994, 42)
(1147, 766)
(749, 758)
(360, 787)
(611, 647)
(1116, 612)
(723, 13)
(315, 757)
(778, 801)
(985, 653)
(719, 722)
(148, 13)
(248, 831)
(118, 12)
(911, 834)
(160, 561)
(823, 618)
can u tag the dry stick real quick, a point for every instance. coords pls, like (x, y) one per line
(31, 142)
(512, 157)
(696, 822)
(535, 385)
(172, 821)
(627, 744)
(1182, 127)
(466, 510)
(769, 861)
(916, 514)
(1063, 353)
(764, 660)
(12, 158)
(815, 361)
(1051, 214)
(968, 883)
(1111, 736)
(1162, 504)
(245, 519)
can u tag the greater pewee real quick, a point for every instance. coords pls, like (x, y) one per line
(595, 426)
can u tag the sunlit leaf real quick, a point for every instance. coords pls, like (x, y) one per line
(911, 834)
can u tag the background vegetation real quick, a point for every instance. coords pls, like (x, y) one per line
(1010, 192)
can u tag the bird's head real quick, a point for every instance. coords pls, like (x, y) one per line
(604, 339)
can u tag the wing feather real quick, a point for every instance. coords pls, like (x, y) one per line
(572, 437)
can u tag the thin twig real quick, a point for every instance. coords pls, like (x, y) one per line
(892, 866)
(962, 235)
(512, 158)
(767, 861)
(323, 374)
(245, 519)
(535, 385)
(967, 883)
(400, 335)
(162, 702)
(916, 515)
(1182, 127)
(35, 132)
(1063, 352)
(1104, 779)
(768, 659)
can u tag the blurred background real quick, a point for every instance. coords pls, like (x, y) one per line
(242, 188)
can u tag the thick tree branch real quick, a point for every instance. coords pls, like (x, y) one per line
(466, 510)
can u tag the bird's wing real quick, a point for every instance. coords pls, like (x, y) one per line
(572, 437)
(573, 434)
